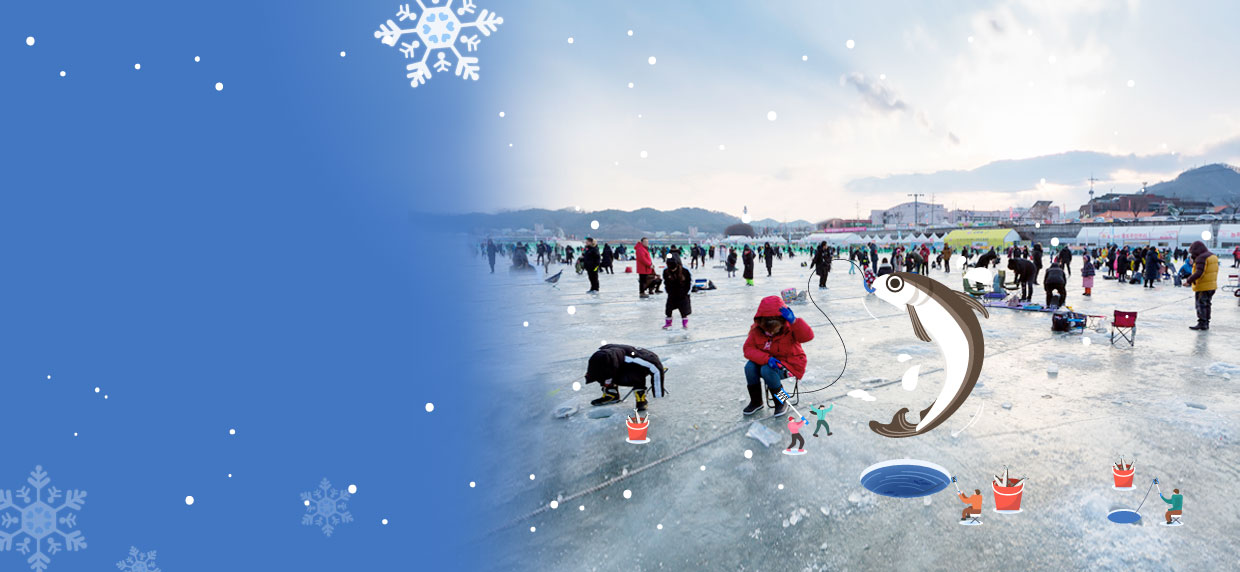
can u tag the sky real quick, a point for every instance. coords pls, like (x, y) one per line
(924, 101)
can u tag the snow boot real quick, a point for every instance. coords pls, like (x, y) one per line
(755, 399)
(1201, 326)
(640, 396)
(684, 323)
(780, 406)
(667, 324)
(610, 395)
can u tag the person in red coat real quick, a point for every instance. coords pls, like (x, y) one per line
(645, 267)
(773, 350)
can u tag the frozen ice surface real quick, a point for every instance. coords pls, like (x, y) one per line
(1104, 400)
(763, 434)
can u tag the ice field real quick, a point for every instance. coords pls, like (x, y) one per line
(696, 501)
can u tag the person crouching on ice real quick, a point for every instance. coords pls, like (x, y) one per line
(794, 427)
(616, 365)
(975, 504)
(774, 351)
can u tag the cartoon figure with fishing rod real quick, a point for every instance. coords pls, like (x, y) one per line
(972, 513)
(1176, 500)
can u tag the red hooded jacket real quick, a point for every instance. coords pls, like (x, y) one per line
(784, 346)
(644, 264)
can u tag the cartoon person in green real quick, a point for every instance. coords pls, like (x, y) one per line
(1176, 501)
(821, 412)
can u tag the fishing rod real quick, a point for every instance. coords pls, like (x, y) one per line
(832, 322)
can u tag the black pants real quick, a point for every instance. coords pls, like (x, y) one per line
(1203, 305)
(1026, 289)
(643, 282)
(822, 280)
(491, 261)
(681, 304)
(795, 438)
(768, 267)
(1052, 290)
(1149, 280)
(593, 274)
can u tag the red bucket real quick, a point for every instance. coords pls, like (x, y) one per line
(637, 429)
(1007, 499)
(1123, 479)
(628, 269)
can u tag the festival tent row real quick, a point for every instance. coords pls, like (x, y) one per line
(996, 237)
(1162, 236)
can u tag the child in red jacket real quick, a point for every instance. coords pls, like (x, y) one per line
(774, 351)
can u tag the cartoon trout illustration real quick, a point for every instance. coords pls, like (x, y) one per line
(944, 316)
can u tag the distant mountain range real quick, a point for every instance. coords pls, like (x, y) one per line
(1217, 183)
(612, 223)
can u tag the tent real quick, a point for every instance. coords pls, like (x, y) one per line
(1228, 235)
(996, 237)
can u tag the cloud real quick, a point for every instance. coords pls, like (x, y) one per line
(875, 95)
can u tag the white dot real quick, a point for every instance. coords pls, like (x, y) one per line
(1086, 341)
(197, 59)
(501, 114)
(572, 310)
(342, 54)
(745, 218)
(748, 454)
(616, 163)
(230, 475)
(137, 66)
(721, 147)
(630, 85)
(1116, 133)
(1205, 235)
(532, 529)
(383, 522)
(232, 431)
(472, 484)
(554, 505)
(1042, 181)
(1050, 59)
(307, 503)
(219, 86)
(105, 396)
(189, 500)
(970, 39)
(650, 60)
(525, 324)
(576, 386)
(594, 224)
(49, 377)
(582, 507)
(850, 44)
(1055, 241)
(75, 433)
(510, 145)
(352, 489)
(882, 76)
(639, 116)
(430, 407)
(531, 476)
(1132, 83)
(96, 389)
(770, 116)
(805, 58)
(1029, 31)
(602, 342)
(29, 40)
(628, 493)
(630, 32)
(659, 526)
(570, 39)
(62, 73)
(1037, 225)
(702, 468)
(781, 486)
(643, 154)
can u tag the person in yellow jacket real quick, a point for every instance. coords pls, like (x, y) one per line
(1204, 281)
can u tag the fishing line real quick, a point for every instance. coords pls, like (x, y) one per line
(832, 322)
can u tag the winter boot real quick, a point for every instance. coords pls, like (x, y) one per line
(780, 406)
(1201, 325)
(610, 395)
(684, 323)
(640, 395)
(755, 399)
(667, 324)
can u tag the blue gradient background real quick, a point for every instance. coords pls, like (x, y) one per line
(238, 259)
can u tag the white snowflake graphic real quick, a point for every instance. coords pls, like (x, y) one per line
(138, 561)
(327, 507)
(438, 31)
(40, 520)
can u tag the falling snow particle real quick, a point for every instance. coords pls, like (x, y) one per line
(1042, 181)
(49, 377)
(75, 433)
(1037, 225)
(882, 76)
(532, 529)
(105, 396)
(1086, 341)
(197, 59)
(630, 85)
(850, 44)
(1055, 241)
(306, 502)
(581, 507)
(628, 493)
(525, 324)
(189, 500)
(554, 505)
(721, 147)
(96, 389)
(352, 489)
(219, 86)
(531, 476)
(230, 475)
(805, 58)
(748, 454)
(62, 73)
(1132, 83)
(430, 407)
(572, 310)
(501, 114)
(472, 484)
(651, 60)
(1206, 235)
(232, 431)
(781, 486)
(702, 468)
(970, 39)
(576, 386)
(384, 522)
(643, 154)
(137, 66)
(630, 32)
(594, 224)
(770, 116)
(342, 54)
(29, 40)
(570, 39)
(659, 526)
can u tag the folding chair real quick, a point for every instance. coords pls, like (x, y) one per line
(795, 393)
(1124, 324)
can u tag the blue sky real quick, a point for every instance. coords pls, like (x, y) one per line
(924, 90)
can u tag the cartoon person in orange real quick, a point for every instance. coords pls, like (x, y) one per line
(975, 504)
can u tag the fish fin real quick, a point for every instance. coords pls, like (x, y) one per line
(918, 329)
(974, 304)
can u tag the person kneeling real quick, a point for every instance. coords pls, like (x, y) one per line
(616, 365)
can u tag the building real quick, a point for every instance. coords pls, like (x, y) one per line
(972, 217)
(1136, 203)
(842, 223)
(927, 214)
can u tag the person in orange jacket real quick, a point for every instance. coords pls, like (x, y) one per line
(975, 504)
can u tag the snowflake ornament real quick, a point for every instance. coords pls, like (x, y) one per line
(438, 30)
(326, 507)
(138, 561)
(40, 520)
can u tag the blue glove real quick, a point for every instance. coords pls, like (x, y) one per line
(786, 312)
(773, 363)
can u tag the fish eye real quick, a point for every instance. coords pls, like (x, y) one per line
(894, 283)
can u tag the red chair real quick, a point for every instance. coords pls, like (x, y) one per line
(1124, 324)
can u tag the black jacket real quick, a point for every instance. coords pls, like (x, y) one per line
(591, 259)
(678, 282)
(1054, 277)
(628, 366)
(1023, 267)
